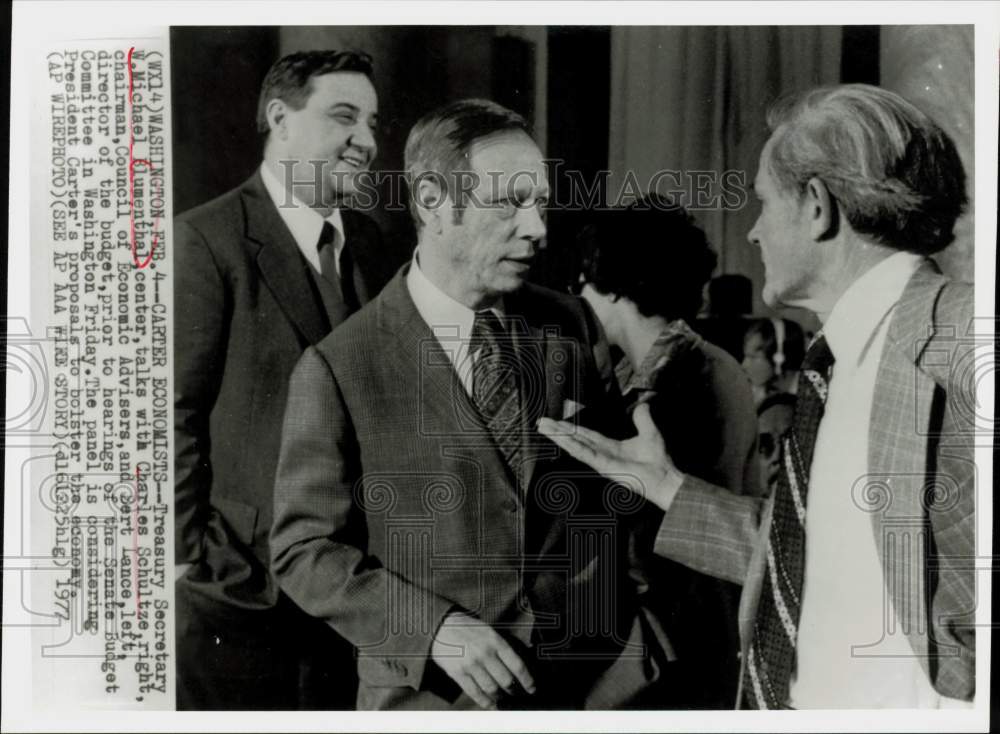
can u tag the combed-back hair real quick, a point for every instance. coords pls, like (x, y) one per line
(439, 145)
(290, 77)
(895, 174)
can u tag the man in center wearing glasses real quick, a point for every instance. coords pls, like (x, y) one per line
(417, 510)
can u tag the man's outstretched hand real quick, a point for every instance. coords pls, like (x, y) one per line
(479, 660)
(640, 463)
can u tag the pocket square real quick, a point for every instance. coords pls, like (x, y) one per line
(570, 408)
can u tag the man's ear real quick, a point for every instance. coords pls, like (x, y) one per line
(431, 202)
(821, 210)
(276, 113)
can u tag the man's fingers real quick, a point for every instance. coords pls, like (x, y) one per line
(552, 428)
(473, 691)
(498, 671)
(599, 453)
(489, 687)
(571, 444)
(575, 447)
(516, 666)
(588, 436)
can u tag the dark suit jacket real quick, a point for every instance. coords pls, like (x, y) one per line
(245, 307)
(701, 402)
(393, 506)
(921, 469)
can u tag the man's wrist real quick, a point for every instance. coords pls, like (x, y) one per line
(664, 491)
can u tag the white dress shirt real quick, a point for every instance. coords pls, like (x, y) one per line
(846, 656)
(303, 222)
(450, 320)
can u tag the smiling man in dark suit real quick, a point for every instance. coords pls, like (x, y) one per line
(263, 272)
(417, 511)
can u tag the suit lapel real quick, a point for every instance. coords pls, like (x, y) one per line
(897, 456)
(913, 323)
(280, 262)
(418, 356)
(897, 436)
(546, 374)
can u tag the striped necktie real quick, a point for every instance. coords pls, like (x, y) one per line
(770, 660)
(495, 384)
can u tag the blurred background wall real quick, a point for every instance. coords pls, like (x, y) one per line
(933, 66)
(621, 99)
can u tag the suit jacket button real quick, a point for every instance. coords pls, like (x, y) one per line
(509, 505)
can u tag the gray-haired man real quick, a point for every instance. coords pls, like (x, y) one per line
(858, 587)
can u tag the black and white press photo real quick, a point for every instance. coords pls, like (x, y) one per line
(561, 366)
(551, 367)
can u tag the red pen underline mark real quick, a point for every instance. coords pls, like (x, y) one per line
(132, 163)
(135, 545)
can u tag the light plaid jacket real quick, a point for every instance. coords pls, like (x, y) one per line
(921, 481)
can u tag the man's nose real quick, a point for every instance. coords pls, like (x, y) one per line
(363, 137)
(531, 224)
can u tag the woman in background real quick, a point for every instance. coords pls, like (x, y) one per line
(643, 272)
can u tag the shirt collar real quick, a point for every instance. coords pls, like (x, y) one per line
(446, 316)
(302, 221)
(864, 305)
(676, 338)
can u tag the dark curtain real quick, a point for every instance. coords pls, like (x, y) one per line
(693, 99)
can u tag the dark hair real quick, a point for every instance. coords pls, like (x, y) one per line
(438, 145)
(289, 78)
(730, 295)
(776, 398)
(651, 253)
(895, 174)
(793, 346)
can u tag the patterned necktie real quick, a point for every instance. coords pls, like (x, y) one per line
(495, 384)
(771, 658)
(328, 266)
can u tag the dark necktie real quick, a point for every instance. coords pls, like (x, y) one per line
(771, 658)
(495, 384)
(328, 266)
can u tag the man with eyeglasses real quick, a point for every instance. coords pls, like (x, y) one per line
(417, 511)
